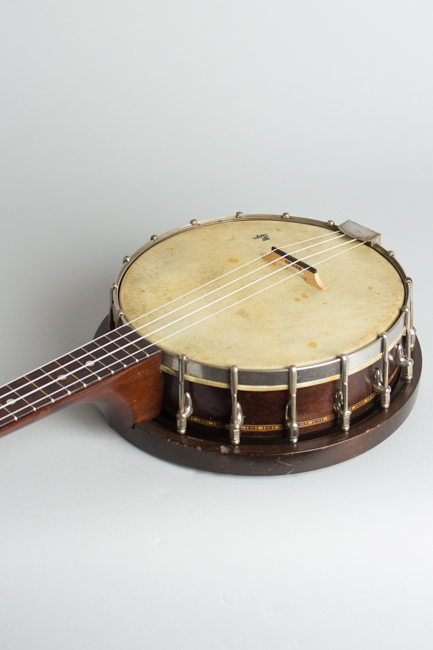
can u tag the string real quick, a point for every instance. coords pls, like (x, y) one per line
(169, 324)
(228, 273)
(256, 293)
(241, 289)
(186, 315)
(191, 302)
(185, 328)
(183, 317)
(229, 283)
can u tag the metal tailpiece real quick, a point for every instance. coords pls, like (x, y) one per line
(291, 418)
(381, 378)
(356, 231)
(185, 402)
(237, 418)
(341, 404)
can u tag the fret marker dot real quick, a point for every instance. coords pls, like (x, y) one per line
(11, 401)
(90, 363)
(62, 377)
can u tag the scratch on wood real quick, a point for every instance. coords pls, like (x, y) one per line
(292, 465)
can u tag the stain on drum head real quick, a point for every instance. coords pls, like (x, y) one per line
(275, 328)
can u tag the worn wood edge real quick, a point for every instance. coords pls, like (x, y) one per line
(156, 438)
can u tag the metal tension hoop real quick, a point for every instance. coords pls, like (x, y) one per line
(237, 418)
(185, 402)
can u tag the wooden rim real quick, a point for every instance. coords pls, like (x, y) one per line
(330, 447)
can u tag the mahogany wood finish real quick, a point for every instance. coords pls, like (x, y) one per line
(212, 452)
(314, 404)
(121, 375)
(123, 380)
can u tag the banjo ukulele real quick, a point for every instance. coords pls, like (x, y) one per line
(252, 344)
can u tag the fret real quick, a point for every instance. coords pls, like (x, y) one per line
(84, 368)
(134, 345)
(71, 374)
(6, 418)
(4, 393)
(13, 404)
(120, 355)
(20, 388)
(124, 348)
(100, 369)
(91, 369)
(132, 350)
(6, 413)
(134, 338)
(108, 344)
(88, 364)
(117, 347)
(130, 335)
(24, 399)
(29, 393)
(68, 373)
(59, 381)
(42, 380)
(37, 394)
(82, 374)
(110, 361)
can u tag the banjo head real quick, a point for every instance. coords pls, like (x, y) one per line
(267, 363)
(288, 322)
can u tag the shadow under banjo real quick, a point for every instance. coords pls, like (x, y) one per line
(254, 344)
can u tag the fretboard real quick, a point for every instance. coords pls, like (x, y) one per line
(71, 374)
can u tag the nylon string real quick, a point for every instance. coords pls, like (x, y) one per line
(179, 297)
(187, 327)
(228, 283)
(228, 273)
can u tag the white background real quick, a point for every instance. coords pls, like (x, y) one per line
(121, 119)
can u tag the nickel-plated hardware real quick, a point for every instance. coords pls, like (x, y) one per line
(113, 290)
(404, 357)
(409, 284)
(291, 418)
(341, 404)
(237, 418)
(274, 379)
(185, 402)
(353, 229)
(381, 378)
(119, 318)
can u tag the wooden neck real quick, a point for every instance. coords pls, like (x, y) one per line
(108, 371)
